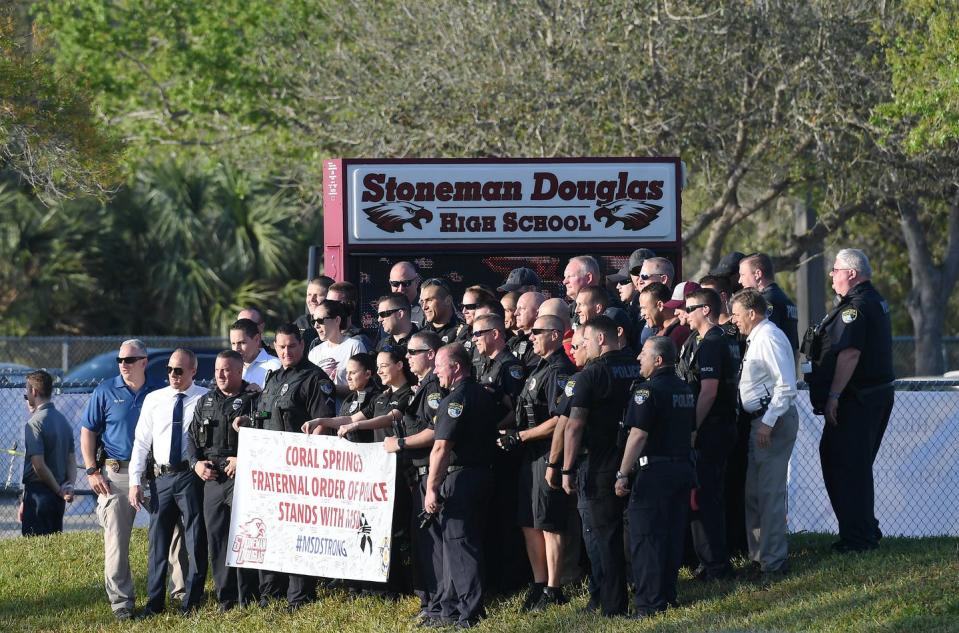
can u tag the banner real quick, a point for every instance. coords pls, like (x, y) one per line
(312, 505)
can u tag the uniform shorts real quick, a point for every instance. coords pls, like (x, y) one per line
(539, 506)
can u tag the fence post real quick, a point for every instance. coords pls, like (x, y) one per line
(65, 355)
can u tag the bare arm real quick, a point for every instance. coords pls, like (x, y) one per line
(88, 450)
(439, 462)
(846, 364)
(634, 446)
(541, 431)
(573, 435)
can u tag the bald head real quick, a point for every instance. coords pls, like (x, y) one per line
(527, 308)
(557, 308)
(406, 280)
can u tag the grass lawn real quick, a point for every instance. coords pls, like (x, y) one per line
(55, 584)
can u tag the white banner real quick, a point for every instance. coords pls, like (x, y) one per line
(618, 200)
(312, 505)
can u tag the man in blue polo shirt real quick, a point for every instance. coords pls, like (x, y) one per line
(111, 419)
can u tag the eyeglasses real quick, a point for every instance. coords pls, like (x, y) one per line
(129, 360)
(320, 320)
(414, 352)
(402, 283)
(176, 371)
(541, 331)
(386, 313)
(694, 307)
(836, 270)
(479, 333)
(26, 397)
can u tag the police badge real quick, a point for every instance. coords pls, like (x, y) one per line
(326, 387)
(284, 389)
(237, 404)
(354, 406)
(532, 383)
(769, 310)
(455, 409)
(516, 371)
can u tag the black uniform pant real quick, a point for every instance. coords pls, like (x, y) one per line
(297, 588)
(176, 496)
(233, 585)
(462, 524)
(427, 546)
(848, 451)
(658, 510)
(714, 442)
(601, 512)
(42, 510)
(506, 562)
(736, 489)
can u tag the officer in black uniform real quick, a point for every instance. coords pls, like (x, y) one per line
(592, 454)
(212, 446)
(293, 394)
(521, 344)
(394, 314)
(359, 373)
(541, 511)
(502, 374)
(459, 484)
(438, 312)
(852, 384)
(756, 271)
(657, 469)
(414, 452)
(711, 373)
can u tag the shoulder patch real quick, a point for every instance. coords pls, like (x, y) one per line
(769, 310)
(326, 387)
(849, 315)
(570, 388)
(237, 404)
(516, 371)
(455, 409)
(433, 400)
(445, 339)
(640, 396)
(561, 380)
(354, 406)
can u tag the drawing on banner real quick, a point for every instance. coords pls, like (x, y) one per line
(250, 541)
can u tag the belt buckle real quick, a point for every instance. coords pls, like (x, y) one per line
(114, 465)
(157, 470)
(644, 461)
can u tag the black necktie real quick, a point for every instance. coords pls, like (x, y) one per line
(176, 439)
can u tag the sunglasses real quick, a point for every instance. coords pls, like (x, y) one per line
(320, 320)
(646, 277)
(541, 331)
(386, 313)
(576, 347)
(625, 282)
(480, 333)
(128, 360)
(469, 306)
(176, 371)
(414, 352)
(402, 283)
(694, 307)
(435, 281)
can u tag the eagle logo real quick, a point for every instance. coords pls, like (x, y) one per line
(392, 217)
(634, 214)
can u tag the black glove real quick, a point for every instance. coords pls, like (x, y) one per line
(510, 441)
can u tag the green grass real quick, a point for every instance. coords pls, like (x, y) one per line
(55, 584)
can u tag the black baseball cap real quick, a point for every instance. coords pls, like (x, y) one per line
(636, 260)
(519, 277)
(728, 265)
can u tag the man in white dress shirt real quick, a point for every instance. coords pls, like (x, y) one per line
(245, 338)
(175, 492)
(767, 393)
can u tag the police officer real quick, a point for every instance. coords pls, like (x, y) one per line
(502, 374)
(593, 452)
(212, 446)
(656, 469)
(756, 271)
(414, 449)
(852, 384)
(459, 484)
(293, 394)
(521, 345)
(438, 313)
(541, 510)
(394, 315)
(710, 371)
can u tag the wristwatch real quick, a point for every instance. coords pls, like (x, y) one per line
(93, 469)
(401, 443)
(621, 475)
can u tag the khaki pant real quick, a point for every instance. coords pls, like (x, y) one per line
(766, 472)
(116, 516)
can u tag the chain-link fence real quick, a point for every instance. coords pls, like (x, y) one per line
(904, 354)
(62, 354)
(916, 472)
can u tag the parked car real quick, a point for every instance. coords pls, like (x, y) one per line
(104, 366)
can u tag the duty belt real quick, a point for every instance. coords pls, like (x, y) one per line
(166, 469)
(422, 471)
(755, 415)
(646, 461)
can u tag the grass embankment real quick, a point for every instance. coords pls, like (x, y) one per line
(54, 583)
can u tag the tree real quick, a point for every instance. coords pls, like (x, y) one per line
(49, 136)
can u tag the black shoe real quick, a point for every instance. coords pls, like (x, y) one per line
(752, 572)
(706, 575)
(123, 614)
(293, 607)
(146, 614)
(227, 606)
(466, 624)
(845, 547)
(263, 602)
(550, 596)
(430, 622)
(768, 578)
(533, 595)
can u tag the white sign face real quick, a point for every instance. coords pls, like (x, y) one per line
(313, 505)
(476, 202)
